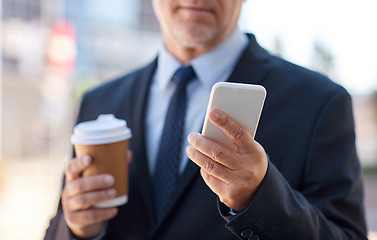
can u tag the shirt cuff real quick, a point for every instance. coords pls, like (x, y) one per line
(227, 213)
(232, 212)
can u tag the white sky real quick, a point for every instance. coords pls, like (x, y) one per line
(347, 28)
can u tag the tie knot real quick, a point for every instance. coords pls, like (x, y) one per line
(184, 75)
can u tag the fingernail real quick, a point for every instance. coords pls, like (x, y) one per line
(215, 115)
(109, 180)
(111, 193)
(189, 137)
(86, 159)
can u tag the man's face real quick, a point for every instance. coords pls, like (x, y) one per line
(197, 23)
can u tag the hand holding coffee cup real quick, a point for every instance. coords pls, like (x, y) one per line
(81, 193)
(106, 141)
(87, 184)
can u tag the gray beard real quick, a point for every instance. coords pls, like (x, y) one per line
(198, 36)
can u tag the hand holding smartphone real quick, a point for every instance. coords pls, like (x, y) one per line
(242, 102)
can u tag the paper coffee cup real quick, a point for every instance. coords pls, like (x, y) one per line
(106, 141)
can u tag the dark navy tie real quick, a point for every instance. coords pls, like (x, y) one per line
(170, 150)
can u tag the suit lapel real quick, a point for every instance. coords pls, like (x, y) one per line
(251, 67)
(140, 93)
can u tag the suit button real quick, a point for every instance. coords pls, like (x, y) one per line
(246, 233)
(254, 237)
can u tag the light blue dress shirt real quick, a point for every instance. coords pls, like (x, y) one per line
(211, 67)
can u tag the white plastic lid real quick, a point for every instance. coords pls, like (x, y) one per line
(105, 129)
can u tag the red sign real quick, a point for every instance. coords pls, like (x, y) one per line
(61, 52)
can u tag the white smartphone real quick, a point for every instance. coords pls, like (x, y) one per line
(242, 102)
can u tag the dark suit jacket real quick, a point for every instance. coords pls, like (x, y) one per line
(313, 187)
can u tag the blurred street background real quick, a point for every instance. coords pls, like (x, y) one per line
(52, 51)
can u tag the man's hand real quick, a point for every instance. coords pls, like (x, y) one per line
(235, 173)
(80, 194)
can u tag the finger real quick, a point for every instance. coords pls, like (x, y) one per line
(88, 184)
(87, 200)
(76, 167)
(239, 135)
(210, 166)
(211, 149)
(216, 185)
(91, 216)
(226, 192)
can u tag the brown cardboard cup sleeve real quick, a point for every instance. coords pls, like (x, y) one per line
(106, 141)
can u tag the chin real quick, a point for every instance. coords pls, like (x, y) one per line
(195, 36)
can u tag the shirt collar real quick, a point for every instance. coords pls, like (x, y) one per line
(211, 67)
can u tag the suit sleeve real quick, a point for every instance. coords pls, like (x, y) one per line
(329, 203)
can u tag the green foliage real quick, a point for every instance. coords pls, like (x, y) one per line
(369, 170)
(83, 86)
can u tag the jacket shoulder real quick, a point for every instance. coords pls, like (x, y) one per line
(293, 77)
(114, 96)
(120, 83)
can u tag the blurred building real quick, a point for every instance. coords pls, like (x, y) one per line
(21, 9)
(110, 37)
(113, 37)
(365, 112)
(147, 18)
